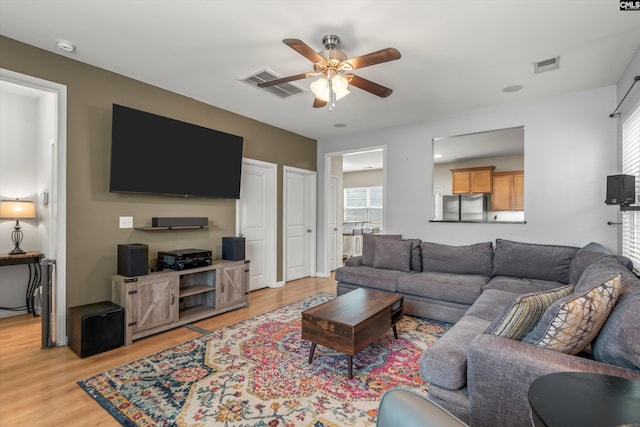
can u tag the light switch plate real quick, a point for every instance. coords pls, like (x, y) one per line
(126, 222)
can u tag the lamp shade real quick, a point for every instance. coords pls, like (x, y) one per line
(17, 209)
(320, 89)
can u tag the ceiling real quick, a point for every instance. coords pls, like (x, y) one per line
(457, 56)
(495, 143)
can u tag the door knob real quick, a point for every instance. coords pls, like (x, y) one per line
(308, 230)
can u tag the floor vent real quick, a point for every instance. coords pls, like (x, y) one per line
(546, 65)
(283, 90)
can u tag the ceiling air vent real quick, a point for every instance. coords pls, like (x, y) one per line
(546, 65)
(283, 90)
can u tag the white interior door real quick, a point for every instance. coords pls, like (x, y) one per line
(332, 221)
(299, 220)
(256, 220)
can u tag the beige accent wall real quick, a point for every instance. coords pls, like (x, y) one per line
(93, 212)
(369, 178)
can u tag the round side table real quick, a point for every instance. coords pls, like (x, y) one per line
(584, 399)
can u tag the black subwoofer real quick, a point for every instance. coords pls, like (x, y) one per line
(233, 248)
(621, 190)
(133, 259)
(94, 328)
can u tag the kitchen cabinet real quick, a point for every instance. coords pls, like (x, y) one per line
(167, 299)
(472, 180)
(508, 191)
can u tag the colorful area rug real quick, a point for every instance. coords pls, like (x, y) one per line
(256, 373)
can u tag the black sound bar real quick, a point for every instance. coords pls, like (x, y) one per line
(182, 221)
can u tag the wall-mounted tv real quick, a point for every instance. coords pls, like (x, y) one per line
(151, 154)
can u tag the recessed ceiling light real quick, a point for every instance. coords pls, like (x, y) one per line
(340, 125)
(513, 88)
(437, 156)
(66, 46)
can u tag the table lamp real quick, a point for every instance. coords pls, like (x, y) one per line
(17, 209)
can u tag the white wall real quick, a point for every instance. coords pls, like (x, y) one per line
(570, 147)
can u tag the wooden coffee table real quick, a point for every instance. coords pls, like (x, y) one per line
(352, 321)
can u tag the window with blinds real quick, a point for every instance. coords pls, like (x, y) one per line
(631, 166)
(364, 204)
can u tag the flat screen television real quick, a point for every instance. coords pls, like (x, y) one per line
(151, 154)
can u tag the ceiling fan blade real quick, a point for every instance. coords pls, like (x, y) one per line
(303, 49)
(285, 79)
(369, 86)
(378, 57)
(319, 103)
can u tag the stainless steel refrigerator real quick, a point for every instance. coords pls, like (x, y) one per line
(465, 207)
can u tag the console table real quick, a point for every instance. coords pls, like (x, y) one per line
(584, 399)
(32, 260)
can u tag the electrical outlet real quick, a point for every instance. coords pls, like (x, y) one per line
(126, 222)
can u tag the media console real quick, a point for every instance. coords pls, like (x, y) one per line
(167, 299)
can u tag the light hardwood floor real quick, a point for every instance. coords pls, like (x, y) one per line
(38, 387)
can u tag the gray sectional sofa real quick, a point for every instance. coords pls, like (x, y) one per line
(505, 302)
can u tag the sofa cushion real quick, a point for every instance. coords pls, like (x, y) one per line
(392, 254)
(444, 363)
(618, 342)
(533, 261)
(458, 288)
(519, 285)
(571, 323)
(370, 277)
(416, 254)
(603, 270)
(369, 245)
(586, 256)
(490, 304)
(524, 313)
(470, 259)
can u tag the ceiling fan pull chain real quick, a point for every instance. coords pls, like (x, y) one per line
(332, 95)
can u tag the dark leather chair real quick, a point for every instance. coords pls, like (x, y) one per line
(404, 408)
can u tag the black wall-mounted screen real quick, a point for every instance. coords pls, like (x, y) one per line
(152, 154)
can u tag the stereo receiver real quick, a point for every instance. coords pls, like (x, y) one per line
(183, 259)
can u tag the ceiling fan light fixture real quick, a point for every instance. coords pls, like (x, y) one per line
(322, 90)
(340, 86)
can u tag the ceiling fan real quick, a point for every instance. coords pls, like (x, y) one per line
(334, 68)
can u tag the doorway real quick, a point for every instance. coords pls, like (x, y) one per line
(299, 223)
(39, 176)
(360, 168)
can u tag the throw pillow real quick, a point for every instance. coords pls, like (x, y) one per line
(393, 254)
(571, 323)
(369, 245)
(525, 312)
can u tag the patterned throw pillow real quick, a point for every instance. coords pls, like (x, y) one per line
(571, 323)
(525, 312)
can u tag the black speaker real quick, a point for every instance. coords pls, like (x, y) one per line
(621, 189)
(185, 221)
(233, 248)
(94, 328)
(133, 259)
